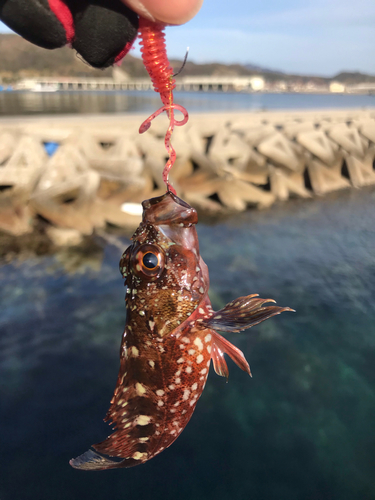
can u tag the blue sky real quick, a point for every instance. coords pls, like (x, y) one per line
(320, 37)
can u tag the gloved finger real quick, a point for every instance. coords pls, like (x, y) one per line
(104, 30)
(34, 21)
(166, 11)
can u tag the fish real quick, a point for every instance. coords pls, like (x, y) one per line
(170, 337)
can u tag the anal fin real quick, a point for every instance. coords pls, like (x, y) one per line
(221, 346)
(220, 365)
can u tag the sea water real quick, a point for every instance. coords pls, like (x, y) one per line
(34, 103)
(303, 428)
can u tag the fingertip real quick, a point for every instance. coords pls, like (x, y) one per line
(172, 12)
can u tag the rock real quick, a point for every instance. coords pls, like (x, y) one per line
(203, 162)
(349, 139)
(362, 172)
(237, 195)
(367, 129)
(317, 143)
(7, 145)
(66, 191)
(326, 179)
(255, 135)
(15, 215)
(201, 183)
(24, 166)
(198, 144)
(230, 149)
(284, 184)
(292, 129)
(122, 159)
(64, 237)
(281, 151)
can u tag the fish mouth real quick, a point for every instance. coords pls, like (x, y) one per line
(169, 209)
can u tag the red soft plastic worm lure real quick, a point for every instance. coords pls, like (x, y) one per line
(155, 59)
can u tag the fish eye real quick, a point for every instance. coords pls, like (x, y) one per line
(150, 260)
(147, 261)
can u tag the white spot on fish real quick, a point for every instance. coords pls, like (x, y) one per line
(208, 337)
(142, 420)
(180, 360)
(185, 339)
(186, 395)
(141, 389)
(141, 313)
(172, 387)
(135, 351)
(160, 403)
(144, 439)
(138, 455)
(160, 392)
(194, 387)
(151, 324)
(199, 358)
(177, 381)
(201, 289)
(189, 369)
(191, 351)
(151, 363)
(198, 343)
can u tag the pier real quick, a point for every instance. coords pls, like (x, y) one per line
(82, 173)
(121, 81)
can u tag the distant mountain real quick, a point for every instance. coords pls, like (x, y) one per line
(350, 78)
(21, 59)
(260, 69)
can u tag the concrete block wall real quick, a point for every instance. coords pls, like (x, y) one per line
(83, 172)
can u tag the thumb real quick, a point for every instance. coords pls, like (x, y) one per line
(165, 11)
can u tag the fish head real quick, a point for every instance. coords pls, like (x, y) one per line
(166, 277)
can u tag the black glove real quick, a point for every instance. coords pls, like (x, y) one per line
(101, 31)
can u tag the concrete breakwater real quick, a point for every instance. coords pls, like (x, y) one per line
(81, 173)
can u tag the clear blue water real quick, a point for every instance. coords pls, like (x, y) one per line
(301, 429)
(30, 103)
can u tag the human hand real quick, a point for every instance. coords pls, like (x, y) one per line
(165, 11)
(101, 31)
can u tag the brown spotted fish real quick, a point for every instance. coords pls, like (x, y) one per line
(170, 337)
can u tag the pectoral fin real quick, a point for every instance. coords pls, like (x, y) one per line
(243, 313)
(220, 345)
